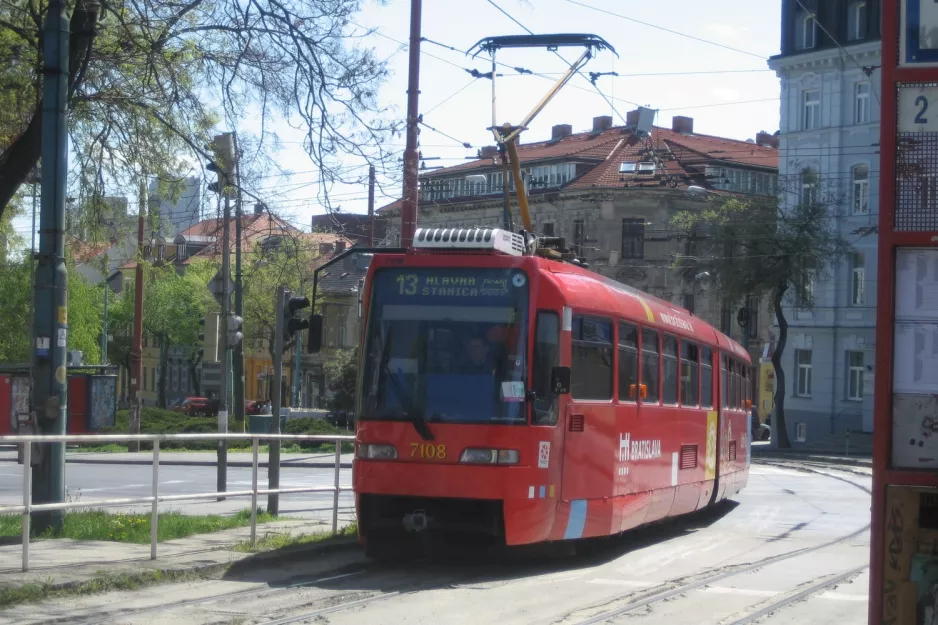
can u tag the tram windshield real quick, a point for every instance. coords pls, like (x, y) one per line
(446, 345)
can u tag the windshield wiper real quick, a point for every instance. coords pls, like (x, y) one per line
(419, 423)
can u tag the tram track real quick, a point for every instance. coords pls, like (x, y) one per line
(703, 579)
(367, 577)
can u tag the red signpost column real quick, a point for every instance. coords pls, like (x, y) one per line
(904, 567)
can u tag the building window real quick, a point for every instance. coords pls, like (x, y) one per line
(633, 238)
(805, 30)
(144, 378)
(591, 361)
(689, 302)
(670, 377)
(726, 319)
(801, 432)
(548, 229)
(803, 379)
(809, 186)
(861, 190)
(856, 20)
(628, 362)
(857, 279)
(579, 236)
(811, 115)
(855, 371)
(650, 366)
(804, 291)
(862, 108)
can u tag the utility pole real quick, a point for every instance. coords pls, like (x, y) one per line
(136, 348)
(50, 297)
(238, 355)
(104, 325)
(297, 349)
(273, 462)
(411, 155)
(224, 150)
(286, 329)
(371, 206)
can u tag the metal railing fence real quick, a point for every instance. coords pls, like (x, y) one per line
(27, 441)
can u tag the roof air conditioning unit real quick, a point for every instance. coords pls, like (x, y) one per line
(493, 239)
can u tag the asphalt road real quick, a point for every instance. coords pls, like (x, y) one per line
(793, 549)
(86, 482)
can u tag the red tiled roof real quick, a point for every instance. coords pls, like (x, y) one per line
(682, 156)
(84, 251)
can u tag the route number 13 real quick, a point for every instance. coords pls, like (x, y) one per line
(918, 109)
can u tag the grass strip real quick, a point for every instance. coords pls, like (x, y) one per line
(134, 528)
(283, 540)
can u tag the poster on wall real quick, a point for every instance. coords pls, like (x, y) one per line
(918, 33)
(102, 401)
(915, 361)
(917, 284)
(915, 431)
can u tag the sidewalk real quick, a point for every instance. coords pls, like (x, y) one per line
(311, 460)
(762, 450)
(64, 563)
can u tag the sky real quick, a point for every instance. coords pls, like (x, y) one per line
(711, 66)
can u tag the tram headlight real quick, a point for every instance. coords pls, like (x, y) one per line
(489, 456)
(370, 451)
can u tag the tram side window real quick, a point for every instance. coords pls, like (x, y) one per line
(706, 378)
(737, 385)
(628, 362)
(650, 366)
(731, 376)
(591, 362)
(689, 358)
(546, 357)
(724, 383)
(669, 393)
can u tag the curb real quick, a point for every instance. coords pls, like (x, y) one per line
(847, 461)
(199, 463)
(328, 545)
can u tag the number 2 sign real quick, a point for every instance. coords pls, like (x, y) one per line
(918, 109)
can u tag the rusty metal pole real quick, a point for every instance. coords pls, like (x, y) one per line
(371, 206)
(410, 190)
(136, 348)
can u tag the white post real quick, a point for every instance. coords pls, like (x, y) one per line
(27, 498)
(335, 496)
(155, 509)
(254, 446)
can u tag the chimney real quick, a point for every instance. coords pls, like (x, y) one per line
(560, 131)
(631, 119)
(683, 125)
(603, 122)
(325, 248)
(258, 208)
(340, 246)
(766, 139)
(488, 151)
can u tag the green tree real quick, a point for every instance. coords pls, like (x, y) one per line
(291, 264)
(342, 372)
(172, 306)
(760, 249)
(151, 79)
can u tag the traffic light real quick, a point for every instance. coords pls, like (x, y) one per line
(234, 330)
(222, 147)
(291, 323)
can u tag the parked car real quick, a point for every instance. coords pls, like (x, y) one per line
(199, 407)
(257, 407)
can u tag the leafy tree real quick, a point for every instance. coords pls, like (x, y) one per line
(763, 250)
(149, 81)
(290, 264)
(342, 372)
(172, 306)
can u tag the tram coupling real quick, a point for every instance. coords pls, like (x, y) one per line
(416, 522)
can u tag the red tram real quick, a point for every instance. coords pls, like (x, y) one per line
(524, 399)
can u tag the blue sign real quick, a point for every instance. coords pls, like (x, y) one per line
(918, 36)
